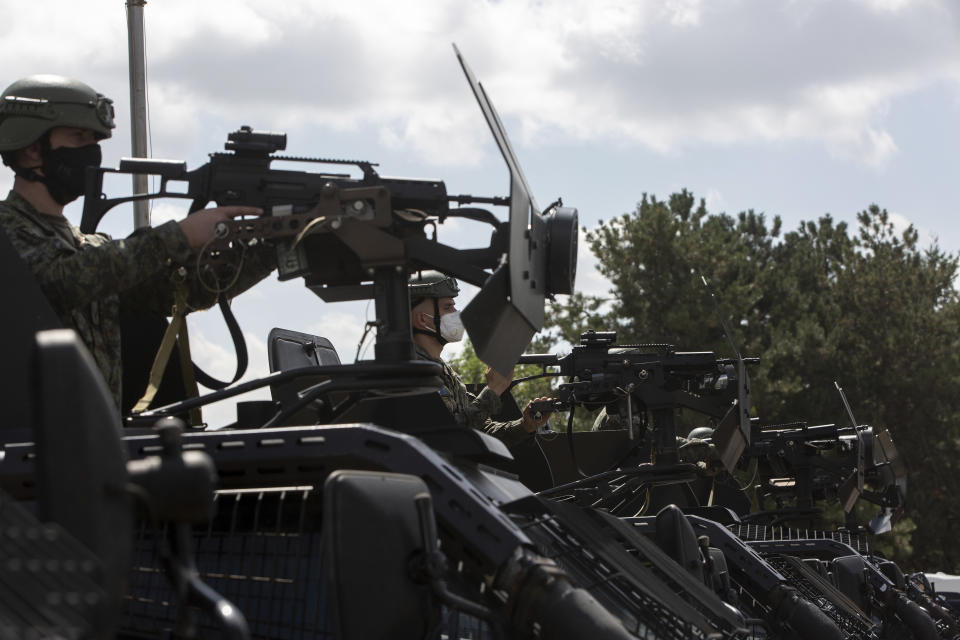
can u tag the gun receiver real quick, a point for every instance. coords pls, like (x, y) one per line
(242, 176)
(792, 456)
(654, 378)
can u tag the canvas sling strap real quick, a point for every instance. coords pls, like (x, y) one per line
(177, 333)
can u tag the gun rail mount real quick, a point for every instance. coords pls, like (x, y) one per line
(358, 238)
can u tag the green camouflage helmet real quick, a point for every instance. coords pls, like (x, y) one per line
(701, 433)
(33, 105)
(432, 284)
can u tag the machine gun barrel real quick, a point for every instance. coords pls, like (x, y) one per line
(790, 432)
(170, 169)
(544, 359)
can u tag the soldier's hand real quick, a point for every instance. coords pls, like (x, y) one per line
(496, 382)
(533, 421)
(199, 226)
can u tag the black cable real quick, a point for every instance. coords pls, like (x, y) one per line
(366, 331)
(546, 460)
(276, 377)
(239, 345)
(360, 384)
(517, 381)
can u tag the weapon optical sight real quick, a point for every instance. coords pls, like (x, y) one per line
(245, 139)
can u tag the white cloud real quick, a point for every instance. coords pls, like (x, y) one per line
(683, 13)
(715, 201)
(344, 331)
(589, 280)
(663, 75)
(220, 361)
(891, 6)
(925, 238)
(161, 212)
(869, 146)
(435, 133)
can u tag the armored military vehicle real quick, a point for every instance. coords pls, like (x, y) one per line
(351, 504)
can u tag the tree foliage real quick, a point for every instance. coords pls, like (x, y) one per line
(872, 310)
(869, 308)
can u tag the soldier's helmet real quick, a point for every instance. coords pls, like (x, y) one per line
(431, 284)
(701, 433)
(33, 105)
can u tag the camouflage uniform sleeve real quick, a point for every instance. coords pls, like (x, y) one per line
(474, 411)
(481, 407)
(102, 266)
(487, 403)
(470, 410)
(157, 295)
(510, 432)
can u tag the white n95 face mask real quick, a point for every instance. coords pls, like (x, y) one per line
(451, 327)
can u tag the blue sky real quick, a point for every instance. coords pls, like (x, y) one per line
(789, 107)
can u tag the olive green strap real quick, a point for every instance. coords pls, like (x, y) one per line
(189, 380)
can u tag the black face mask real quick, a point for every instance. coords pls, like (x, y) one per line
(65, 170)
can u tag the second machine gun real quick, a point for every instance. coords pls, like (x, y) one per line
(635, 380)
(645, 387)
(804, 464)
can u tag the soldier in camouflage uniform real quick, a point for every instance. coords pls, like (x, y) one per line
(436, 321)
(49, 129)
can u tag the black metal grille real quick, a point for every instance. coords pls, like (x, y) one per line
(641, 614)
(460, 626)
(677, 582)
(757, 614)
(261, 551)
(50, 584)
(754, 532)
(845, 614)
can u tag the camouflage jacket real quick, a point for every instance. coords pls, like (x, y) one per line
(91, 279)
(475, 410)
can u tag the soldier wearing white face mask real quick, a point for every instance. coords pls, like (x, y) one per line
(436, 322)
